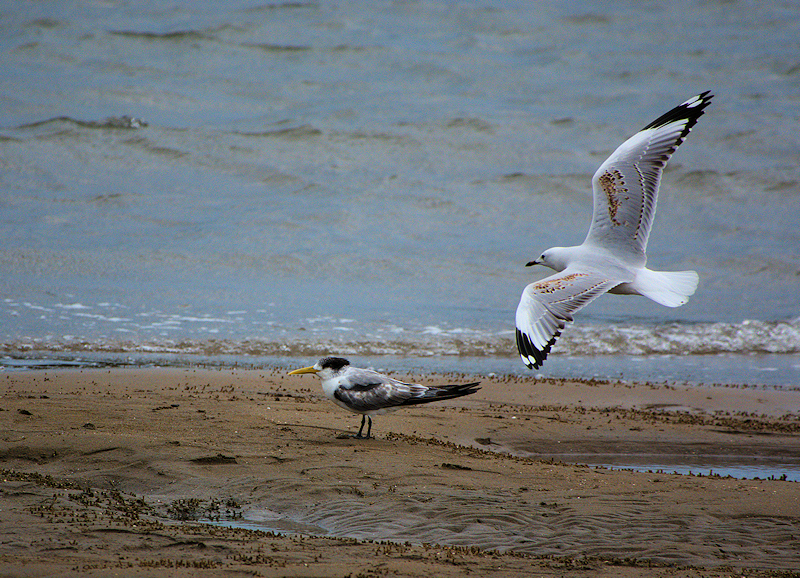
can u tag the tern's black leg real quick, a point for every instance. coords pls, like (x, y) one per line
(359, 435)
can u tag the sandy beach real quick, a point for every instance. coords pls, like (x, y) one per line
(194, 471)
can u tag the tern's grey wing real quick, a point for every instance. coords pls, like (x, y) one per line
(625, 186)
(367, 391)
(547, 306)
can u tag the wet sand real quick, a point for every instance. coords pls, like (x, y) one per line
(187, 472)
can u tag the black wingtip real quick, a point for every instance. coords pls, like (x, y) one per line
(528, 350)
(690, 110)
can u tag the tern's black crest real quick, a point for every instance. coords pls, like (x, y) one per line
(334, 363)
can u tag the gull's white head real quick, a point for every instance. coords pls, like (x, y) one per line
(557, 258)
(325, 368)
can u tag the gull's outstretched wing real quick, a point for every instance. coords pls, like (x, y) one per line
(547, 306)
(625, 186)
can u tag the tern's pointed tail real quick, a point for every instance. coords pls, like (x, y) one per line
(670, 288)
(442, 392)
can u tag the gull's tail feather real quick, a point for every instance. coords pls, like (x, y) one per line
(670, 288)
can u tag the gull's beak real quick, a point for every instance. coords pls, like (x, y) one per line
(311, 369)
(534, 262)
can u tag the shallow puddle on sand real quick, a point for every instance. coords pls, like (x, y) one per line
(743, 467)
(743, 461)
(265, 520)
(726, 466)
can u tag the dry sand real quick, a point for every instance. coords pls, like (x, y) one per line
(113, 472)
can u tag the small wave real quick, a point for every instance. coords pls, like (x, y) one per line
(124, 122)
(279, 48)
(173, 35)
(471, 123)
(280, 6)
(303, 131)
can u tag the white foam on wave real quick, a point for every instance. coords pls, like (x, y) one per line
(763, 338)
(100, 317)
(749, 336)
(100, 327)
(36, 307)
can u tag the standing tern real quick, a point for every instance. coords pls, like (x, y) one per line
(612, 259)
(371, 393)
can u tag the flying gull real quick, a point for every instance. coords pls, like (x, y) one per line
(612, 259)
(370, 393)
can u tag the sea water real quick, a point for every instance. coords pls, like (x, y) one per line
(256, 180)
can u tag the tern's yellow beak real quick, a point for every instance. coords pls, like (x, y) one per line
(303, 370)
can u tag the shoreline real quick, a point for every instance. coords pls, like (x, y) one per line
(100, 466)
(753, 370)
